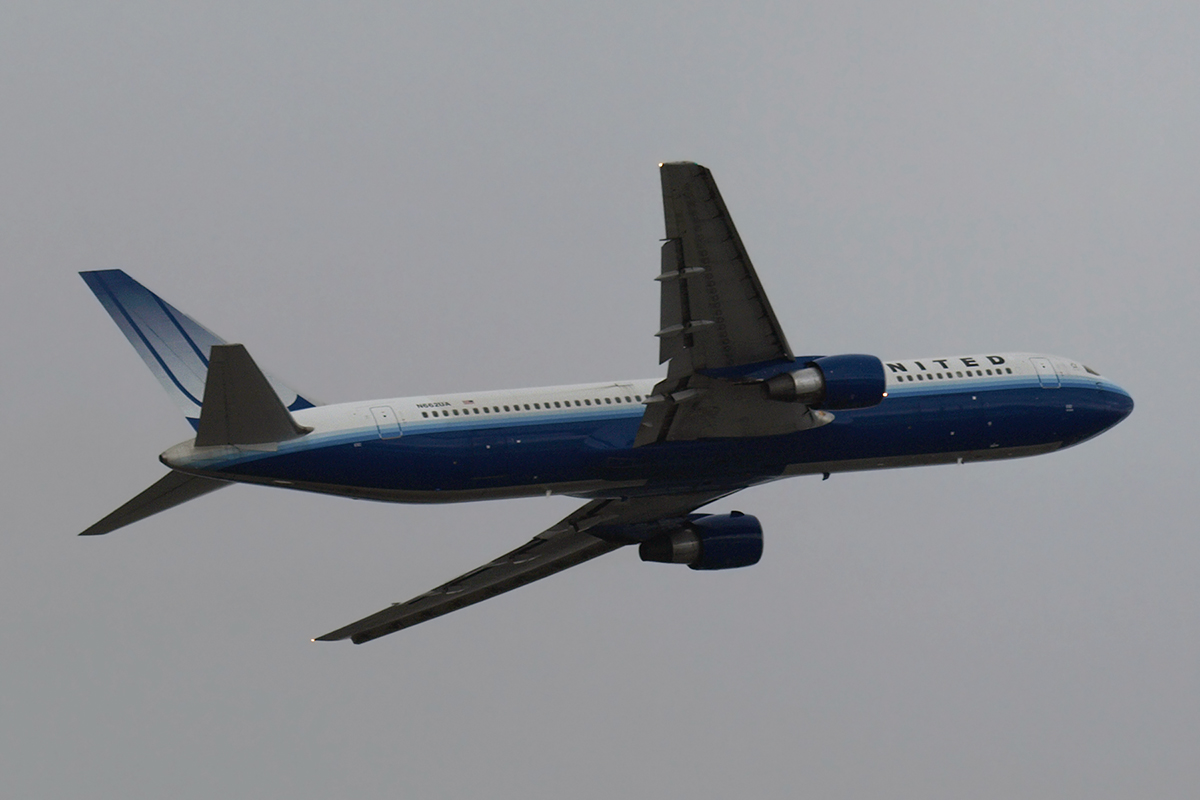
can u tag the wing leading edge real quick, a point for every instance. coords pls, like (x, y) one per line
(558, 548)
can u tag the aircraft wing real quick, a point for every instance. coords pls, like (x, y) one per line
(714, 310)
(564, 545)
(715, 316)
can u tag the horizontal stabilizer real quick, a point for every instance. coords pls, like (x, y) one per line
(240, 407)
(171, 490)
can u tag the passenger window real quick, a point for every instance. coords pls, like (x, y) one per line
(425, 414)
(608, 401)
(1008, 370)
(959, 374)
(487, 410)
(627, 400)
(527, 406)
(537, 405)
(587, 402)
(455, 412)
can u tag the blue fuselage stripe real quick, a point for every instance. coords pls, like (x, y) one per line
(454, 455)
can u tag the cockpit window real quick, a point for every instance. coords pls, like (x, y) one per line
(1092, 371)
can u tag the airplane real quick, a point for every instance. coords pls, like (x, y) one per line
(737, 408)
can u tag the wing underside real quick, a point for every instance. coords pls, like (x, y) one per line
(714, 311)
(574, 540)
(715, 316)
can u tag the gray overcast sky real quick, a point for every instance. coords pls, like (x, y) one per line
(383, 199)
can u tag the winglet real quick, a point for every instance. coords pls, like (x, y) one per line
(240, 407)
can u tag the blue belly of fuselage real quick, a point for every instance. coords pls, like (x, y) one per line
(585, 455)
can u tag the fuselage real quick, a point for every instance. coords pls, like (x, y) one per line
(578, 440)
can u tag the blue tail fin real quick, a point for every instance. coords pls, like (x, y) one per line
(174, 346)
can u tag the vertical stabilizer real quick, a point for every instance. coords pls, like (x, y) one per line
(174, 346)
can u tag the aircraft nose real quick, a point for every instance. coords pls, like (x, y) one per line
(1117, 405)
(1099, 411)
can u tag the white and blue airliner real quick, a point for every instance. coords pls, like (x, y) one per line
(737, 408)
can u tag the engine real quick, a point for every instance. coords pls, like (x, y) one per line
(708, 541)
(832, 382)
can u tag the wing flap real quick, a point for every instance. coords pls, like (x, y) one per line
(700, 407)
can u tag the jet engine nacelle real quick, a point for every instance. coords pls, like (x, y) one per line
(708, 541)
(832, 382)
